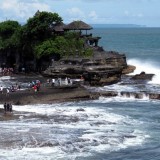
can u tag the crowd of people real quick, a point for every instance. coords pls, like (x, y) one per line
(59, 81)
(7, 90)
(6, 71)
(35, 85)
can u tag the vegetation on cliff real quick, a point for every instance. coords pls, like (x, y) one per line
(37, 40)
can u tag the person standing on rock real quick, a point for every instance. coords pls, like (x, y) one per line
(10, 107)
(7, 92)
(1, 89)
(35, 88)
(53, 82)
(5, 107)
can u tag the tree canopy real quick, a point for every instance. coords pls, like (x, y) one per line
(9, 34)
(39, 27)
(36, 39)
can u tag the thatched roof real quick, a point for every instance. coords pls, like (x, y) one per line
(59, 27)
(77, 25)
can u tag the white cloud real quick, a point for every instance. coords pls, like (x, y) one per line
(21, 10)
(132, 15)
(93, 15)
(75, 13)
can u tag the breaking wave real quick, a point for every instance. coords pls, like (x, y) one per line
(67, 130)
(149, 67)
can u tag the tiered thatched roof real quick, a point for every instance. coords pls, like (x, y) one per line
(78, 25)
(59, 27)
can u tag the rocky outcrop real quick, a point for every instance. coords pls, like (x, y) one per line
(128, 69)
(143, 76)
(96, 95)
(141, 95)
(136, 95)
(103, 68)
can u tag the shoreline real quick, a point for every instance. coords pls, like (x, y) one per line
(46, 95)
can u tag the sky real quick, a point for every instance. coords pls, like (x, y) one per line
(140, 12)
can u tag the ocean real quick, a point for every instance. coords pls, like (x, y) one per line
(117, 128)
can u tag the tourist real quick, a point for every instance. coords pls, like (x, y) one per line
(59, 81)
(16, 86)
(5, 107)
(1, 89)
(30, 85)
(12, 88)
(66, 81)
(82, 78)
(7, 92)
(19, 87)
(35, 88)
(69, 81)
(48, 81)
(10, 107)
(53, 82)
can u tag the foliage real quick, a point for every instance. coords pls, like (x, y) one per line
(68, 45)
(39, 27)
(88, 52)
(7, 28)
(36, 38)
(50, 47)
(9, 34)
(45, 48)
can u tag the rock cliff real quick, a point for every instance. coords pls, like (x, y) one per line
(103, 68)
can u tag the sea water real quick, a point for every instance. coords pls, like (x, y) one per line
(118, 128)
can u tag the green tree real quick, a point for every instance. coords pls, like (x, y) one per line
(50, 47)
(37, 33)
(39, 27)
(9, 35)
(64, 46)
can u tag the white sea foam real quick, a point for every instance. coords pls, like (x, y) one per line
(76, 133)
(121, 99)
(148, 67)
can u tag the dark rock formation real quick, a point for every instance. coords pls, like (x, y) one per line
(141, 95)
(108, 94)
(103, 68)
(136, 95)
(143, 76)
(128, 69)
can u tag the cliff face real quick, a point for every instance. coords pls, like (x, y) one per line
(103, 68)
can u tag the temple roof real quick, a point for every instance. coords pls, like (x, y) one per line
(78, 25)
(59, 27)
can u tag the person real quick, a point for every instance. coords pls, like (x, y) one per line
(69, 81)
(35, 88)
(5, 107)
(53, 82)
(1, 89)
(7, 92)
(10, 107)
(82, 77)
(66, 81)
(59, 81)
(19, 87)
(12, 88)
(48, 81)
